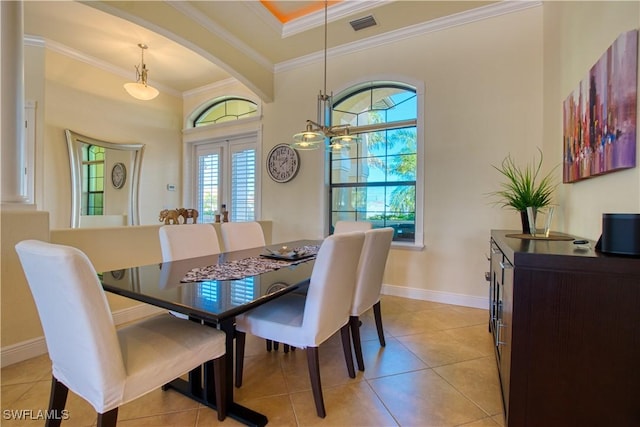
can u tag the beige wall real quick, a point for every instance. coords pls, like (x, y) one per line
(576, 36)
(73, 100)
(20, 320)
(108, 249)
(482, 100)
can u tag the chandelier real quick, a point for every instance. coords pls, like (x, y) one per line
(140, 89)
(316, 132)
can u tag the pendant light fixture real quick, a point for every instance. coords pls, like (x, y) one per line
(140, 89)
(315, 133)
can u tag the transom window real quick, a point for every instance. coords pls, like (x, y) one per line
(375, 179)
(224, 165)
(225, 110)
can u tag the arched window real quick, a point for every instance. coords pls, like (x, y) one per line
(375, 179)
(225, 110)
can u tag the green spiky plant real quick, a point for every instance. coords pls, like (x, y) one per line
(523, 186)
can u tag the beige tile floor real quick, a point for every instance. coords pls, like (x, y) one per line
(437, 369)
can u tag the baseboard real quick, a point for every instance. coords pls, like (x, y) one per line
(437, 296)
(24, 350)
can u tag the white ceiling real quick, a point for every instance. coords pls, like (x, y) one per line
(197, 43)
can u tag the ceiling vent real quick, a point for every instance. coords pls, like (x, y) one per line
(362, 23)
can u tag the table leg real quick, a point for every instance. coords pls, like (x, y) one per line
(193, 387)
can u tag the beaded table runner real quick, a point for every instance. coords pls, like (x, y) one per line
(246, 267)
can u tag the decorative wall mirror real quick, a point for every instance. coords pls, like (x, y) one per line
(105, 180)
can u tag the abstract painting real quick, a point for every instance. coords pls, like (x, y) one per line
(599, 116)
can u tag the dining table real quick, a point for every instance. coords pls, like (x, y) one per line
(213, 290)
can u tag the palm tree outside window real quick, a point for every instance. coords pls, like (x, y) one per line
(375, 179)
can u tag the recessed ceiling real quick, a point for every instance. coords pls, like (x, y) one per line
(286, 11)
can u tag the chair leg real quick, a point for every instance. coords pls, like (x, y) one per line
(269, 344)
(346, 348)
(57, 401)
(314, 375)
(240, 340)
(377, 314)
(354, 323)
(276, 344)
(286, 348)
(218, 372)
(108, 419)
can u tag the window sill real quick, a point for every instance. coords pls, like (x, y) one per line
(407, 246)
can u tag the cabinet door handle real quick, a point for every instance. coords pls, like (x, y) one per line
(500, 326)
(506, 265)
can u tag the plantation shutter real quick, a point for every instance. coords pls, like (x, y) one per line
(243, 183)
(208, 181)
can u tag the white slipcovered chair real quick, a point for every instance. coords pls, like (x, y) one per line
(349, 226)
(188, 241)
(307, 322)
(105, 366)
(373, 260)
(237, 236)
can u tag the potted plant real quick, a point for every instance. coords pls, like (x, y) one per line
(523, 187)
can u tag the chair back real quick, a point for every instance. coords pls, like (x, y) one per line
(78, 327)
(373, 260)
(349, 226)
(332, 283)
(188, 241)
(237, 236)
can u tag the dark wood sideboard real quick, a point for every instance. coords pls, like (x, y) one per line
(566, 327)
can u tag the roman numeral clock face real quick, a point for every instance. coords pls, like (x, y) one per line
(282, 163)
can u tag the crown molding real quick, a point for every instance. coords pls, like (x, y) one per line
(334, 13)
(264, 14)
(231, 81)
(212, 27)
(462, 18)
(65, 50)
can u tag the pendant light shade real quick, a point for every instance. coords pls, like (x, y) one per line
(309, 139)
(140, 89)
(344, 140)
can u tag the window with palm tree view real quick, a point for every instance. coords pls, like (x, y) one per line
(375, 179)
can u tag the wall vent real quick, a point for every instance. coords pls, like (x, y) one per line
(362, 23)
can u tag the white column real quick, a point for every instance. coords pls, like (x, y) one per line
(12, 94)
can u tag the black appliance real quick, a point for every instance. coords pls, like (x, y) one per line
(620, 234)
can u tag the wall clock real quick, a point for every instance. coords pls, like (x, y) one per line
(282, 163)
(118, 175)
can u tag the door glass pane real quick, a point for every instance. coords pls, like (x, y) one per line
(243, 185)
(208, 186)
